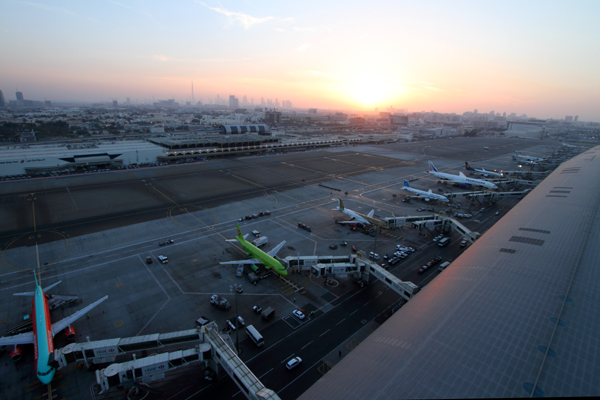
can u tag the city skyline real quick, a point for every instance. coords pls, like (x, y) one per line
(535, 58)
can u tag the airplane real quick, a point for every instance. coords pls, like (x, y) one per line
(525, 162)
(427, 195)
(43, 332)
(528, 158)
(482, 171)
(260, 257)
(358, 218)
(460, 178)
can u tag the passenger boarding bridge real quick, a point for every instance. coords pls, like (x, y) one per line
(214, 351)
(353, 265)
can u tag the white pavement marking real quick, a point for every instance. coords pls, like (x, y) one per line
(340, 322)
(287, 358)
(324, 332)
(307, 344)
(161, 288)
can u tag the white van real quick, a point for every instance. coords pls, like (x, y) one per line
(444, 265)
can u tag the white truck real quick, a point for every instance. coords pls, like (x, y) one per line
(220, 302)
(261, 241)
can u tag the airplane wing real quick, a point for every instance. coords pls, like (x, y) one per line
(63, 323)
(23, 338)
(248, 262)
(348, 222)
(276, 249)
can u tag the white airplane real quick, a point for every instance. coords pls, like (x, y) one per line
(460, 178)
(524, 162)
(570, 145)
(527, 158)
(358, 218)
(42, 336)
(482, 171)
(426, 195)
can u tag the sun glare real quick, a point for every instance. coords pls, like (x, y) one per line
(369, 91)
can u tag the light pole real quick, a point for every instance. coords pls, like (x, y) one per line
(236, 288)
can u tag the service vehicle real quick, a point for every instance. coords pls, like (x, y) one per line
(149, 260)
(202, 320)
(240, 271)
(163, 259)
(268, 313)
(257, 309)
(220, 302)
(333, 246)
(256, 233)
(443, 241)
(255, 336)
(261, 241)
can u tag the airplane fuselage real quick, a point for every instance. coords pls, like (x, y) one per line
(463, 179)
(43, 339)
(264, 258)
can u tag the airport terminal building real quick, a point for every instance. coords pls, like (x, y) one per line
(35, 159)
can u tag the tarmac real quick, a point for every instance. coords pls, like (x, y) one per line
(95, 232)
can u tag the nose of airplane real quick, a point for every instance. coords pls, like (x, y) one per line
(46, 379)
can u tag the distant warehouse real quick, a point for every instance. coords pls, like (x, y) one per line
(261, 129)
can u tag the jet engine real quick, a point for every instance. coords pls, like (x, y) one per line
(70, 332)
(15, 353)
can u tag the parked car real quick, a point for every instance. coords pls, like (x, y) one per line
(148, 260)
(354, 248)
(463, 243)
(299, 314)
(240, 271)
(343, 243)
(333, 246)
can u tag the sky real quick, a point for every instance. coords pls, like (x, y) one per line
(539, 58)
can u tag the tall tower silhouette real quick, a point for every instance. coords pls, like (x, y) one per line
(193, 91)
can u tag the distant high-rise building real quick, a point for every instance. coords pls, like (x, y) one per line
(576, 118)
(128, 101)
(2, 101)
(252, 100)
(475, 111)
(234, 103)
(20, 96)
(312, 110)
(192, 90)
(244, 100)
(262, 102)
(276, 102)
(115, 103)
(569, 118)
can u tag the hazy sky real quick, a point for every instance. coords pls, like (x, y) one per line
(541, 58)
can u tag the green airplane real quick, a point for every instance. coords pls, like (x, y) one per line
(269, 260)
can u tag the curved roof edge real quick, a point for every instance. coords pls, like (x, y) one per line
(517, 314)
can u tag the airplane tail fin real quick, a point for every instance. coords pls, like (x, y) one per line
(341, 205)
(406, 184)
(461, 174)
(515, 158)
(370, 215)
(429, 191)
(432, 167)
(467, 166)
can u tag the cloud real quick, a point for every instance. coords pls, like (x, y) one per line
(48, 8)
(434, 89)
(307, 29)
(303, 47)
(248, 21)
(119, 4)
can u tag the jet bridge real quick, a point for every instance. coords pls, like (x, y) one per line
(104, 351)
(215, 352)
(353, 265)
(432, 221)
